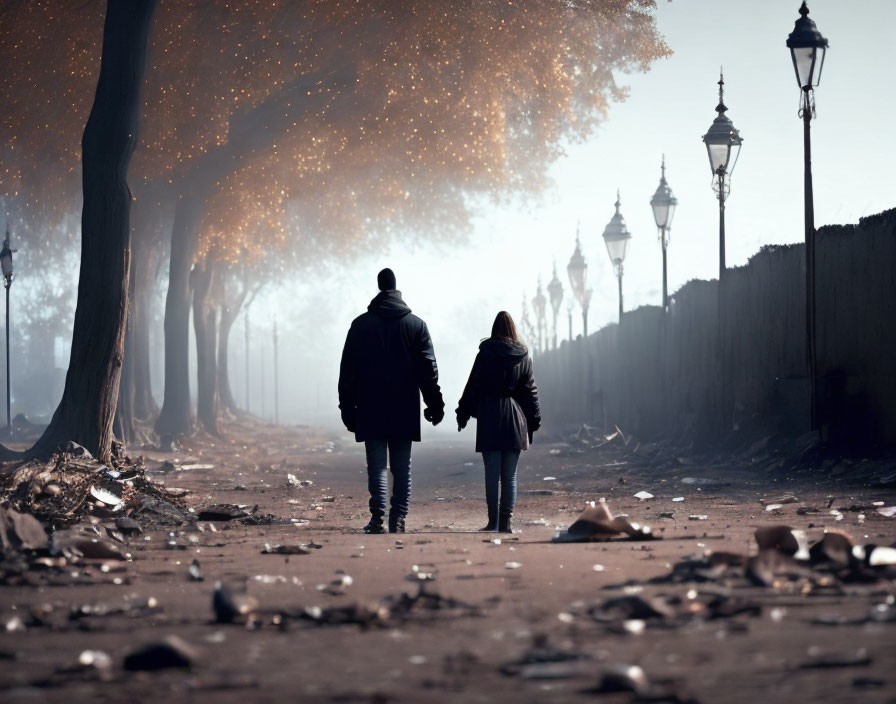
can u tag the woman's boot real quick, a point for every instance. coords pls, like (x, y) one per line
(505, 522)
(492, 522)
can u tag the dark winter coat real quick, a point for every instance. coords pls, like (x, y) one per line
(388, 360)
(501, 396)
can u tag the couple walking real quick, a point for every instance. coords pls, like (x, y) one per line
(388, 362)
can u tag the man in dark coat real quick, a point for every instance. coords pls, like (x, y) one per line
(387, 362)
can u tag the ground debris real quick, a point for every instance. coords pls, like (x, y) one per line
(171, 652)
(425, 605)
(232, 603)
(597, 522)
(532, 663)
(240, 513)
(71, 486)
(819, 659)
(274, 549)
(21, 531)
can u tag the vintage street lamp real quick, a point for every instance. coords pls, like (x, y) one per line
(555, 292)
(577, 270)
(538, 305)
(616, 235)
(721, 140)
(276, 378)
(6, 267)
(663, 204)
(807, 50)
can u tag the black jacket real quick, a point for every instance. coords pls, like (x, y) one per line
(388, 360)
(501, 396)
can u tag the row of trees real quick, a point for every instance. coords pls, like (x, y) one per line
(273, 136)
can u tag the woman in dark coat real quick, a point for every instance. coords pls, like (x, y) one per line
(502, 397)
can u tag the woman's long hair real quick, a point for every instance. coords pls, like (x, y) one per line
(503, 328)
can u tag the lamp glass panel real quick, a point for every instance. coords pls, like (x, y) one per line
(671, 214)
(718, 156)
(616, 249)
(804, 63)
(6, 265)
(661, 213)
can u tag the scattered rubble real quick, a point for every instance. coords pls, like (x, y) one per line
(597, 522)
(171, 652)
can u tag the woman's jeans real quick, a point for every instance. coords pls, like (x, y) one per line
(500, 469)
(399, 452)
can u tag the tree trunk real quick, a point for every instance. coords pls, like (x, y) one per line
(176, 417)
(146, 259)
(204, 318)
(230, 308)
(87, 409)
(250, 133)
(124, 415)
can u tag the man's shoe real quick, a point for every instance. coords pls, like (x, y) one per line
(396, 525)
(374, 527)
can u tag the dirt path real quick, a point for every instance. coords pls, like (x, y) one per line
(522, 591)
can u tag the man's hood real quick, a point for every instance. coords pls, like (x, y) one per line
(500, 347)
(388, 304)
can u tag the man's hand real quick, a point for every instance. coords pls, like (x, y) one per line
(434, 415)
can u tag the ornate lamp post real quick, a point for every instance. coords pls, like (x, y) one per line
(807, 50)
(616, 236)
(6, 267)
(721, 139)
(555, 292)
(663, 204)
(577, 269)
(538, 305)
(276, 378)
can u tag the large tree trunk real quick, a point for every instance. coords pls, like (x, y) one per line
(204, 318)
(124, 414)
(250, 133)
(176, 418)
(146, 258)
(230, 308)
(87, 409)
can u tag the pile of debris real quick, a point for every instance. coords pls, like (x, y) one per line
(73, 486)
(597, 522)
(232, 603)
(787, 562)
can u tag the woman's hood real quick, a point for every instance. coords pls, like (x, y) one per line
(501, 347)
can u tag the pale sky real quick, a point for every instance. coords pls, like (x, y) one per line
(458, 290)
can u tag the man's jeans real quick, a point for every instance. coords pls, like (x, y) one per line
(400, 464)
(500, 468)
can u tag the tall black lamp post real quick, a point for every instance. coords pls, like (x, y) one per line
(6, 266)
(276, 377)
(721, 140)
(616, 236)
(555, 293)
(539, 303)
(577, 269)
(663, 204)
(807, 50)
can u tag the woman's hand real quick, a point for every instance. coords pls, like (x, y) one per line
(461, 423)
